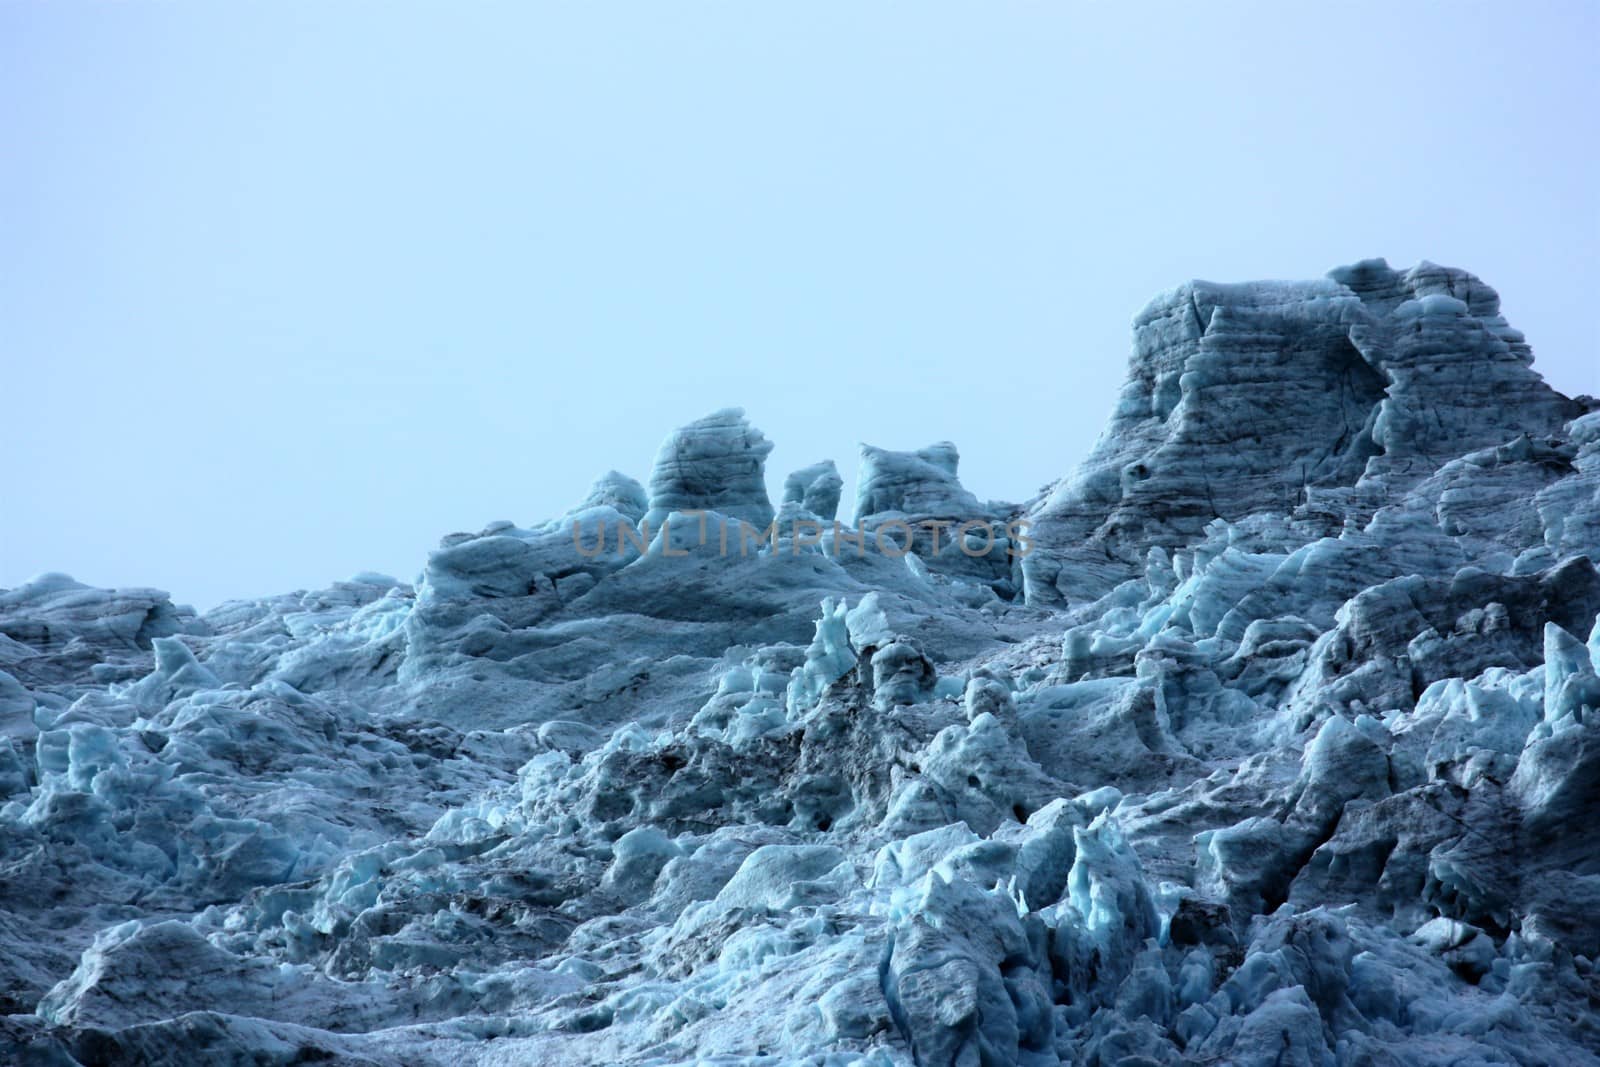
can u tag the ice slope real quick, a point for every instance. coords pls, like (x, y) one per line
(1273, 741)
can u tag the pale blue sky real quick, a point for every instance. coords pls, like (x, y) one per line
(289, 290)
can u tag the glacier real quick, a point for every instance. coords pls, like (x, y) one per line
(1270, 734)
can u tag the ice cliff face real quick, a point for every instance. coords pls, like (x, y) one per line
(1270, 736)
(1321, 402)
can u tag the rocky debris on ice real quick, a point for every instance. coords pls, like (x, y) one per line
(1278, 746)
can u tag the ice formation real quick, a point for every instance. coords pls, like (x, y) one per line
(1278, 744)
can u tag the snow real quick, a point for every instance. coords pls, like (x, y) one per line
(1281, 746)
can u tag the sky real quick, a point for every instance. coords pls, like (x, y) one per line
(288, 291)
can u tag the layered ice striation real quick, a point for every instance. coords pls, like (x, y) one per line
(1320, 402)
(1271, 735)
(716, 464)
